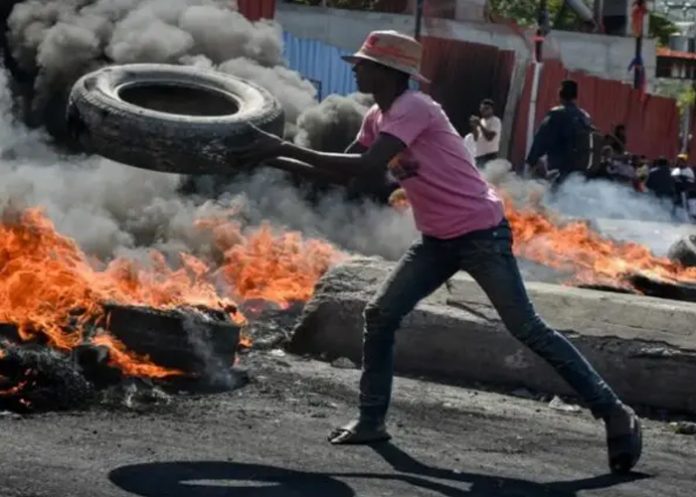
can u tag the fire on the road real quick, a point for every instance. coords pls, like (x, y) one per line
(591, 259)
(53, 291)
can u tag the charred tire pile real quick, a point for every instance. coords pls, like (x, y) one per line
(684, 251)
(169, 118)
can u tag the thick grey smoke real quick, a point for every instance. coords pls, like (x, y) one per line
(111, 209)
(59, 40)
(333, 124)
(114, 210)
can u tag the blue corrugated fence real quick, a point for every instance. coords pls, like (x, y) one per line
(321, 63)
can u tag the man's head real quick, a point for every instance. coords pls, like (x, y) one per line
(662, 162)
(386, 58)
(568, 91)
(487, 108)
(620, 132)
(682, 161)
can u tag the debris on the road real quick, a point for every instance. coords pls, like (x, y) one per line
(557, 404)
(683, 427)
(344, 363)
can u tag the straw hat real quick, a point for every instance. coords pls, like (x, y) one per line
(392, 49)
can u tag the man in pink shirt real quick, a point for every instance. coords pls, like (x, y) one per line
(464, 228)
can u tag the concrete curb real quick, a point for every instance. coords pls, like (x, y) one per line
(644, 347)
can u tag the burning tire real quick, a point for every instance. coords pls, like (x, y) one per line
(684, 251)
(169, 118)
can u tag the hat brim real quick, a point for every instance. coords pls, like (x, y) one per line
(357, 57)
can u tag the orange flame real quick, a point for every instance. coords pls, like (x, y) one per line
(575, 248)
(130, 363)
(49, 287)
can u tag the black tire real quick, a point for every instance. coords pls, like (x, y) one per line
(684, 251)
(189, 122)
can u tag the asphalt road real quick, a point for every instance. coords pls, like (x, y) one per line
(268, 439)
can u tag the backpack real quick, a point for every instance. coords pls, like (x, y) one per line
(585, 140)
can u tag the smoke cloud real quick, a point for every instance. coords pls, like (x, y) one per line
(58, 41)
(333, 124)
(114, 210)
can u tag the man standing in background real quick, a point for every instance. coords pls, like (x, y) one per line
(489, 128)
(565, 136)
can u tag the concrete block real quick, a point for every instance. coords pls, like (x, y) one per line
(644, 347)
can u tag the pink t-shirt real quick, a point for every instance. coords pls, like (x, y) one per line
(448, 195)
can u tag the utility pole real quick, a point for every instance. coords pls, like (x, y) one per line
(543, 28)
(638, 14)
(419, 18)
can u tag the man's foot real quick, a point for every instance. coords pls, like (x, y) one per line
(624, 439)
(359, 432)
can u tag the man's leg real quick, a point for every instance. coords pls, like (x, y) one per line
(424, 268)
(493, 266)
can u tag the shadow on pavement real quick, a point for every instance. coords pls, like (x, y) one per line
(230, 479)
(490, 486)
(224, 479)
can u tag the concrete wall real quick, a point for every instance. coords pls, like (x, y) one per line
(347, 29)
(603, 56)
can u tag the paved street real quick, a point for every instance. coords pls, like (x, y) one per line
(268, 439)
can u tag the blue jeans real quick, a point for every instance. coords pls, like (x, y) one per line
(487, 256)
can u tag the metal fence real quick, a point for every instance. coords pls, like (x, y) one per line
(321, 63)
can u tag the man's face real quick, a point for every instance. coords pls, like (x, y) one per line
(366, 75)
(681, 163)
(486, 110)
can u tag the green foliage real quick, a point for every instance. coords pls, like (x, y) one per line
(681, 91)
(523, 12)
(660, 28)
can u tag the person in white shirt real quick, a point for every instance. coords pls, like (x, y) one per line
(490, 127)
(682, 172)
(470, 139)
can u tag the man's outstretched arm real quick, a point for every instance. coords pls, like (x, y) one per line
(359, 160)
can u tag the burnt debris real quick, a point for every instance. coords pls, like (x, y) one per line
(197, 343)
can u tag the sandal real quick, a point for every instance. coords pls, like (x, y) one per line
(358, 433)
(624, 440)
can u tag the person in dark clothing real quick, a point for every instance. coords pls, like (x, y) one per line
(660, 180)
(617, 141)
(601, 170)
(565, 136)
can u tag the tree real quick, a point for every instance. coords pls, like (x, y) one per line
(660, 28)
(523, 12)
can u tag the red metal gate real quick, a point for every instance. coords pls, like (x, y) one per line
(257, 9)
(462, 74)
(652, 122)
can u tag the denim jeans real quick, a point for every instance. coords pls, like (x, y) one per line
(487, 256)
